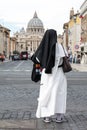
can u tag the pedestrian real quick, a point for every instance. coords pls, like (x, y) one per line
(53, 84)
(75, 59)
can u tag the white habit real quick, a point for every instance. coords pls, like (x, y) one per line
(53, 89)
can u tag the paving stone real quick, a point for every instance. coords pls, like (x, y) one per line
(20, 115)
(1, 115)
(41, 125)
(61, 126)
(27, 115)
(14, 115)
(6, 115)
(18, 124)
(18, 129)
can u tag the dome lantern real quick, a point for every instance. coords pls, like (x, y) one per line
(35, 15)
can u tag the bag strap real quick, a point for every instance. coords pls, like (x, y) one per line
(64, 50)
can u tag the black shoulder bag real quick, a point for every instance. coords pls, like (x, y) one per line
(36, 72)
(66, 64)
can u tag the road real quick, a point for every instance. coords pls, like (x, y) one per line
(18, 94)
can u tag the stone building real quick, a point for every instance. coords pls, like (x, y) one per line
(29, 39)
(4, 40)
(12, 46)
(65, 35)
(72, 36)
(83, 16)
(74, 33)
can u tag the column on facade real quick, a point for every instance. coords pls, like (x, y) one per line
(1, 42)
(32, 46)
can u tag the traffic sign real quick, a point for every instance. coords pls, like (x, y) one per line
(76, 46)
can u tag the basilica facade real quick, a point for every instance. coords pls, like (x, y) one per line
(29, 39)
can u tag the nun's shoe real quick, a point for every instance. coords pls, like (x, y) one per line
(59, 120)
(47, 119)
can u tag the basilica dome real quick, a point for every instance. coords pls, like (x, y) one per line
(35, 22)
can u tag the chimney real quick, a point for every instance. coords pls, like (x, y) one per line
(71, 13)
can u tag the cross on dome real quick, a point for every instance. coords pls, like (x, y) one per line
(35, 15)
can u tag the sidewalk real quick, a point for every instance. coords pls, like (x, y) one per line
(6, 60)
(79, 67)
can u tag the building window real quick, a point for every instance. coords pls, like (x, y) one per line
(17, 36)
(26, 48)
(82, 49)
(21, 46)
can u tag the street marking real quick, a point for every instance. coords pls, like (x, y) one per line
(27, 70)
(18, 65)
(4, 70)
(77, 79)
(15, 70)
(19, 79)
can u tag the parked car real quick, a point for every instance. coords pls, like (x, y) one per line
(2, 57)
(16, 57)
(24, 55)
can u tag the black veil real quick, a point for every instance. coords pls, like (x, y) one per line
(46, 50)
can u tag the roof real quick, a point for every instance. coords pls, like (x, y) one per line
(35, 22)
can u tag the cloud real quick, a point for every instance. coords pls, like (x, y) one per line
(53, 13)
(13, 26)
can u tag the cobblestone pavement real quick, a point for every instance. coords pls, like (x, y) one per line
(75, 118)
(23, 120)
(18, 103)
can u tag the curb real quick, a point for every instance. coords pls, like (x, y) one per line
(10, 124)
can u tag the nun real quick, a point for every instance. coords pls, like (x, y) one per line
(53, 84)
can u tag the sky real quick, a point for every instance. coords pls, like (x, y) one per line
(15, 14)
